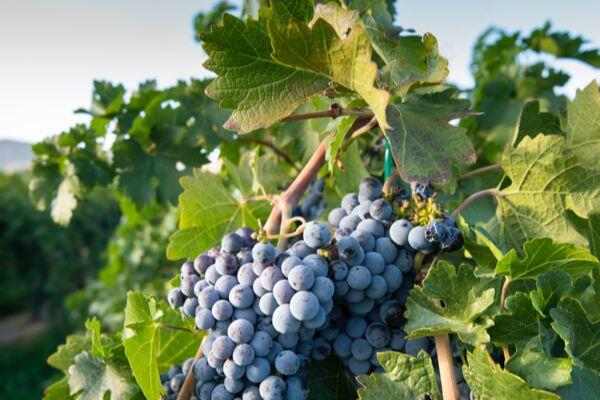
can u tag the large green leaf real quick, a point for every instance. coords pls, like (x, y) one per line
(151, 347)
(424, 145)
(547, 179)
(463, 303)
(206, 215)
(542, 255)
(91, 378)
(267, 68)
(586, 385)
(520, 324)
(487, 380)
(532, 122)
(406, 378)
(583, 124)
(582, 337)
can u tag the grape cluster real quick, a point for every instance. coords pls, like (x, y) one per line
(172, 381)
(313, 205)
(340, 289)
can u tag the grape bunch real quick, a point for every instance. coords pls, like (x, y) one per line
(339, 289)
(313, 205)
(172, 381)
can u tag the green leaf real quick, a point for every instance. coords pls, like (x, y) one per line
(106, 98)
(264, 76)
(463, 303)
(583, 124)
(380, 10)
(328, 380)
(65, 353)
(542, 255)
(353, 173)
(91, 378)
(206, 215)
(532, 122)
(520, 324)
(93, 327)
(150, 346)
(424, 145)
(539, 369)
(547, 179)
(594, 232)
(58, 390)
(586, 385)
(406, 377)
(488, 381)
(333, 145)
(551, 287)
(582, 337)
(481, 246)
(409, 60)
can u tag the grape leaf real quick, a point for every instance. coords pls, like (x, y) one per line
(91, 378)
(463, 303)
(406, 377)
(333, 145)
(58, 390)
(348, 179)
(542, 255)
(424, 145)
(340, 19)
(328, 380)
(93, 327)
(539, 369)
(206, 215)
(583, 124)
(409, 60)
(65, 353)
(380, 10)
(594, 232)
(532, 122)
(582, 337)
(547, 179)
(151, 347)
(520, 324)
(551, 287)
(586, 385)
(488, 381)
(265, 76)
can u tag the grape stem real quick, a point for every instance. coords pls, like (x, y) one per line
(474, 197)
(291, 196)
(189, 384)
(478, 171)
(333, 112)
(178, 328)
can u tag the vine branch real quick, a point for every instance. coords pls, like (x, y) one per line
(479, 171)
(474, 197)
(503, 295)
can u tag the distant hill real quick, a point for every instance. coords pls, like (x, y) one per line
(14, 155)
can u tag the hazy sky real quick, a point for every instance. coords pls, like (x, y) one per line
(50, 51)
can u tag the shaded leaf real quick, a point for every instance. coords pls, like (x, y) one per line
(586, 385)
(532, 122)
(551, 287)
(328, 380)
(519, 324)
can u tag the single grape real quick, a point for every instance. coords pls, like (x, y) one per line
(317, 263)
(304, 306)
(393, 277)
(240, 331)
(350, 222)
(233, 386)
(202, 371)
(220, 393)
(284, 321)
(297, 388)
(258, 370)
(398, 340)
(283, 292)
(277, 348)
(323, 289)
(359, 277)
(356, 327)
(222, 310)
(349, 201)
(221, 327)
(243, 354)
(208, 297)
(189, 307)
(268, 304)
(378, 335)
(264, 253)
(226, 264)
(399, 232)
(187, 365)
(417, 239)
(251, 393)
(246, 234)
(404, 261)
(350, 251)
(341, 232)
(336, 215)
(212, 275)
(241, 296)
(300, 249)
(287, 363)
(362, 210)
(272, 388)
(258, 288)
(207, 344)
(232, 370)
(318, 321)
(262, 343)
(380, 210)
(288, 340)
(231, 243)
(321, 349)
(338, 270)
(392, 313)
(369, 189)
(204, 389)
(246, 275)
(176, 298)
(341, 345)
(372, 226)
(387, 249)
(177, 382)
(361, 349)
(359, 367)
(413, 346)
(374, 262)
(288, 264)
(365, 239)
(222, 347)
(301, 277)
(200, 286)
(377, 289)
(354, 296)
(204, 319)
(316, 234)
(244, 256)
(269, 277)
(224, 285)
(341, 288)
(188, 283)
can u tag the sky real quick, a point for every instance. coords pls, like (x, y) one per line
(51, 51)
